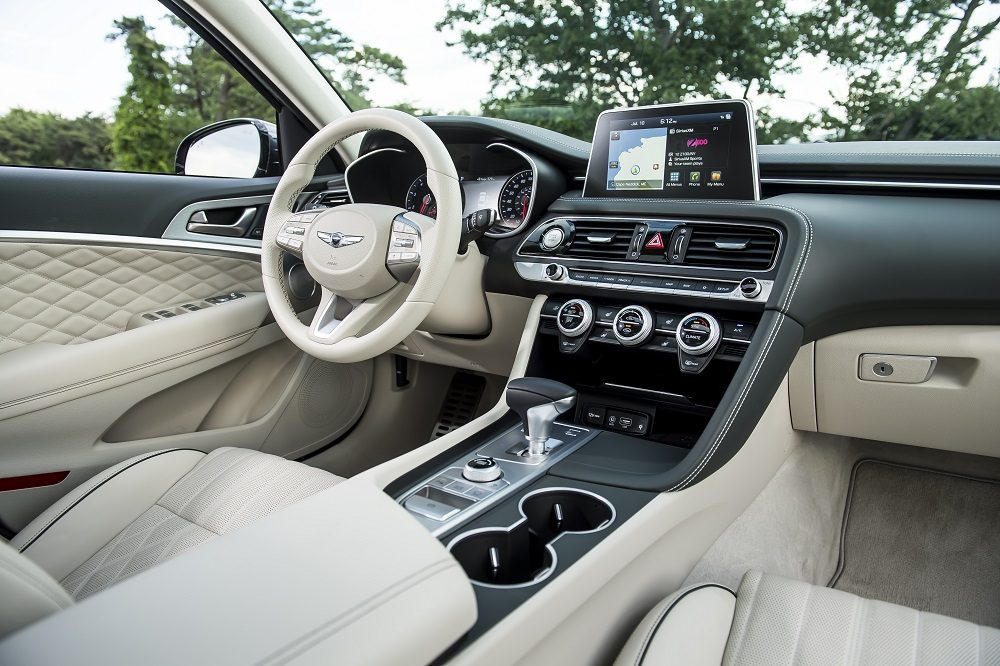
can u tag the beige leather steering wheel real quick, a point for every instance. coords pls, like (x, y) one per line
(381, 268)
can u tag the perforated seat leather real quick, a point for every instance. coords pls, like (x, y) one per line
(773, 620)
(140, 513)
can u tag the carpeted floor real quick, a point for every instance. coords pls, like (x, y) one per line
(923, 539)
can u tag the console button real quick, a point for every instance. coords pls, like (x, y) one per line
(577, 275)
(724, 288)
(693, 363)
(737, 330)
(689, 285)
(551, 307)
(606, 314)
(670, 283)
(623, 279)
(604, 335)
(608, 278)
(639, 425)
(667, 321)
(663, 343)
(594, 415)
(643, 281)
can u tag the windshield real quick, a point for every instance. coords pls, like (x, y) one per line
(814, 71)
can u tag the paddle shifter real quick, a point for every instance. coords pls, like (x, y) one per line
(538, 402)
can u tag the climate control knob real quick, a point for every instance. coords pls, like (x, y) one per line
(575, 318)
(632, 325)
(698, 333)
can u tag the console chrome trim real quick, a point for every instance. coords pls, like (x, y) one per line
(139, 242)
(534, 189)
(517, 475)
(638, 265)
(535, 272)
(520, 508)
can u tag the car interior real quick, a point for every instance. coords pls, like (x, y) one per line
(461, 389)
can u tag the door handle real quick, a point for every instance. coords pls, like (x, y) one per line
(199, 224)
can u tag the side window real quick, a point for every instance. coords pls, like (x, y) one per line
(118, 86)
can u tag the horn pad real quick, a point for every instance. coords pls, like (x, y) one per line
(345, 250)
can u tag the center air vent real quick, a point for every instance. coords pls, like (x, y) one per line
(731, 246)
(328, 199)
(599, 239)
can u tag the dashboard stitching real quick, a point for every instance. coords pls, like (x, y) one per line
(772, 336)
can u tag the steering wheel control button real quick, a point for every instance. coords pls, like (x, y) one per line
(750, 288)
(482, 470)
(632, 325)
(403, 254)
(575, 318)
(552, 238)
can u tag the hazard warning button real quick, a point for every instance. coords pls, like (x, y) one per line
(654, 242)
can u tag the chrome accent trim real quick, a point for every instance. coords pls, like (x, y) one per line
(534, 190)
(639, 389)
(640, 265)
(140, 242)
(588, 318)
(751, 130)
(714, 334)
(644, 330)
(914, 184)
(539, 423)
(535, 272)
(520, 508)
(177, 229)
(515, 475)
(347, 171)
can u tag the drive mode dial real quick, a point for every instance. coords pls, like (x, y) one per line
(632, 325)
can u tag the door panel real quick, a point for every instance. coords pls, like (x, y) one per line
(87, 379)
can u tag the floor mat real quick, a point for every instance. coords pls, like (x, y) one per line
(923, 539)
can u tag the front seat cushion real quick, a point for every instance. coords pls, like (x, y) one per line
(779, 621)
(154, 506)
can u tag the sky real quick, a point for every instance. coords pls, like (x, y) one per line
(76, 70)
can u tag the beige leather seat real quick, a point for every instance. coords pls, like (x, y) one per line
(136, 515)
(773, 620)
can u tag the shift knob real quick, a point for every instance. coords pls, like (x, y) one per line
(538, 402)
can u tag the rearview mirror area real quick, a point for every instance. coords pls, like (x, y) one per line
(236, 148)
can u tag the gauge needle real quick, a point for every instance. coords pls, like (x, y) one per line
(425, 204)
(525, 200)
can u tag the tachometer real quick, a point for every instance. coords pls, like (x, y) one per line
(515, 201)
(420, 199)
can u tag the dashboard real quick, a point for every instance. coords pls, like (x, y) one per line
(494, 176)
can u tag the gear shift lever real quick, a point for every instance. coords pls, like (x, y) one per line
(538, 402)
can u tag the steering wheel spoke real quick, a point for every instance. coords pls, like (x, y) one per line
(338, 318)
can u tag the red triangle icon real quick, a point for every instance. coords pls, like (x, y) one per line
(655, 242)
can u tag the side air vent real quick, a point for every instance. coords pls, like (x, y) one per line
(328, 199)
(596, 239)
(731, 246)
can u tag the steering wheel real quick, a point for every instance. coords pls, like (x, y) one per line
(381, 268)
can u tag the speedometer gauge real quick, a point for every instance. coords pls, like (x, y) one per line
(515, 201)
(420, 199)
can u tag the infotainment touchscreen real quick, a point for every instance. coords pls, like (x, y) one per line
(702, 150)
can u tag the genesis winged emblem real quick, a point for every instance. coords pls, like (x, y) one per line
(337, 239)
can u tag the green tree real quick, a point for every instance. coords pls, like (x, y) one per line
(141, 133)
(47, 139)
(910, 64)
(351, 66)
(558, 64)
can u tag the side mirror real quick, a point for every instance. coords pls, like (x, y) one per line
(238, 148)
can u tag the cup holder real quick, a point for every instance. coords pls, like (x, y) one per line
(522, 554)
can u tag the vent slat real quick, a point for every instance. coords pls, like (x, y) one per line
(617, 248)
(759, 253)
